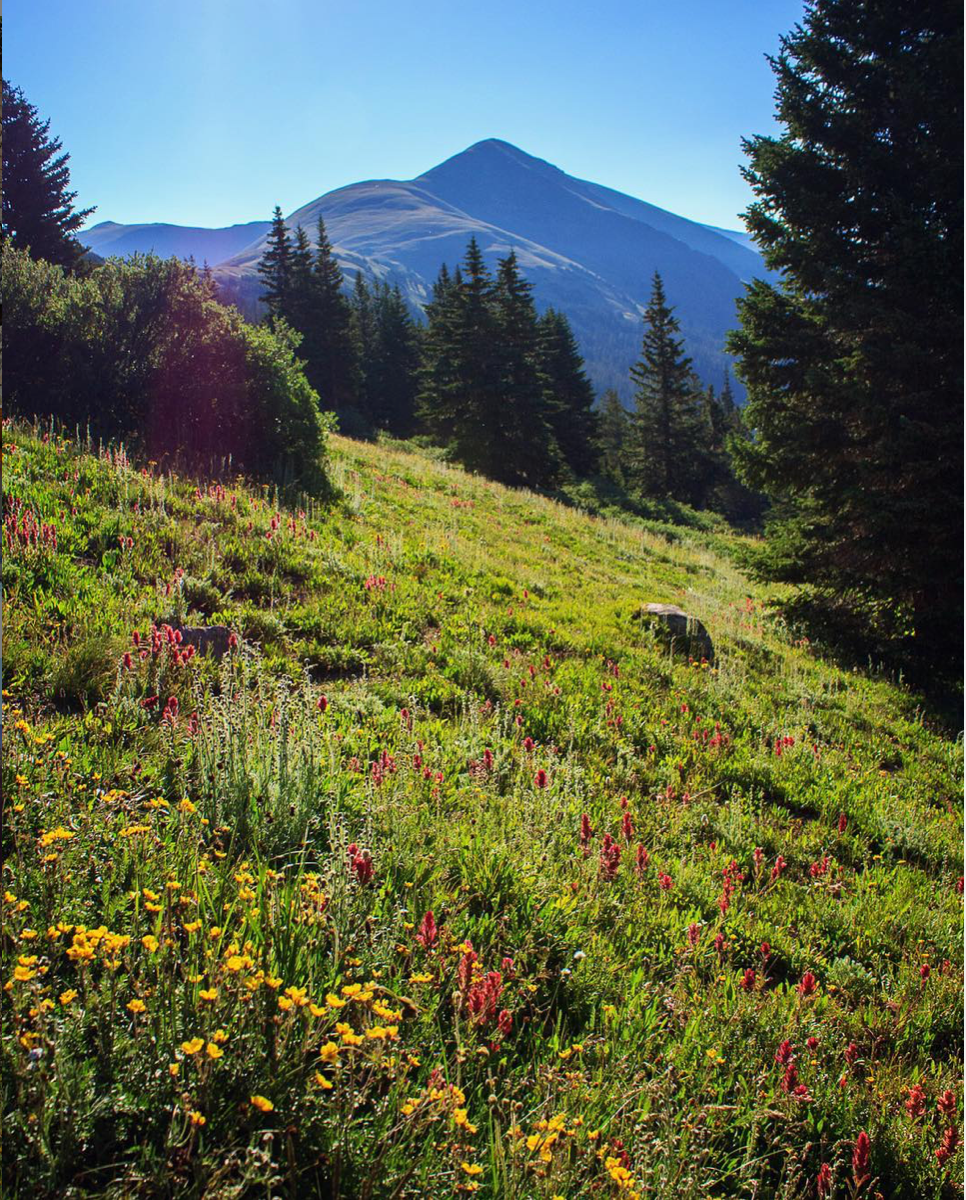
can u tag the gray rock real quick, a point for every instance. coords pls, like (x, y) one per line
(686, 632)
(206, 639)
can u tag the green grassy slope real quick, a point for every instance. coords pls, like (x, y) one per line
(220, 978)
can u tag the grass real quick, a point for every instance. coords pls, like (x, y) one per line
(695, 928)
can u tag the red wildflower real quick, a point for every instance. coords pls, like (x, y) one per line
(610, 857)
(541, 780)
(812, 1043)
(777, 869)
(784, 1054)
(766, 951)
(747, 981)
(665, 882)
(528, 744)
(947, 1103)
(808, 984)
(627, 827)
(790, 1078)
(322, 703)
(505, 1022)
(948, 1146)
(924, 971)
(232, 641)
(843, 822)
(915, 1102)
(360, 863)
(851, 1053)
(823, 1182)
(641, 860)
(694, 933)
(428, 932)
(719, 943)
(860, 1159)
(128, 662)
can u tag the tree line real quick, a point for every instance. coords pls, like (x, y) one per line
(502, 387)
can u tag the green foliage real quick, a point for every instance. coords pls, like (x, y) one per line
(38, 209)
(853, 361)
(184, 893)
(141, 350)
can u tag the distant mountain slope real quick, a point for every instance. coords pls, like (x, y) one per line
(588, 250)
(172, 241)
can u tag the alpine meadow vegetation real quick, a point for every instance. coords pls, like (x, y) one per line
(441, 872)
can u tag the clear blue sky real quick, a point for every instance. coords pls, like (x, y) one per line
(207, 112)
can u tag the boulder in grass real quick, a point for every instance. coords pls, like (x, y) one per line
(686, 632)
(206, 639)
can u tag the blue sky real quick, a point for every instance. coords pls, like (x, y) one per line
(207, 112)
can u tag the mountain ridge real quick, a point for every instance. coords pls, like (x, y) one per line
(589, 250)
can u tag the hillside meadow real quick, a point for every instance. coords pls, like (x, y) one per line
(450, 876)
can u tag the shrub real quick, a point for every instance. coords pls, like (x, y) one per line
(141, 350)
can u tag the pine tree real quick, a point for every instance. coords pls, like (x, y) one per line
(459, 398)
(332, 365)
(275, 268)
(38, 207)
(853, 360)
(614, 435)
(569, 395)
(667, 436)
(521, 441)
(395, 362)
(298, 307)
(365, 340)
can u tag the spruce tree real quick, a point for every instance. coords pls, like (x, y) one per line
(459, 398)
(614, 435)
(38, 207)
(275, 268)
(569, 395)
(395, 362)
(521, 441)
(667, 435)
(329, 347)
(853, 359)
(298, 307)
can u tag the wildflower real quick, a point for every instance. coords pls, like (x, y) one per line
(428, 932)
(360, 863)
(808, 984)
(136, 1006)
(209, 994)
(472, 1168)
(694, 933)
(823, 1181)
(322, 704)
(947, 1103)
(193, 1046)
(325, 1084)
(948, 1146)
(610, 857)
(860, 1158)
(747, 981)
(843, 822)
(627, 827)
(540, 781)
(214, 1051)
(461, 1120)
(504, 1022)
(851, 1053)
(196, 1118)
(262, 1104)
(150, 943)
(334, 1001)
(665, 882)
(586, 834)
(641, 860)
(780, 865)
(925, 971)
(329, 1053)
(67, 998)
(915, 1103)
(783, 1054)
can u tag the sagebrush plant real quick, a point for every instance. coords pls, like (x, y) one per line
(448, 877)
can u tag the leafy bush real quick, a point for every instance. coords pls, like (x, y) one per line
(141, 350)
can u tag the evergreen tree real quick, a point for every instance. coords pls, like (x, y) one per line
(521, 441)
(614, 435)
(275, 268)
(569, 395)
(298, 307)
(853, 360)
(38, 207)
(459, 395)
(332, 365)
(668, 435)
(364, 338)
(395, 364)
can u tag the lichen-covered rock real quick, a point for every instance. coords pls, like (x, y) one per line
(686, 632)
(206, 639)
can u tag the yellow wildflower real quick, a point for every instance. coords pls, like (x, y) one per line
(262, 1104)
(193, 1046)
